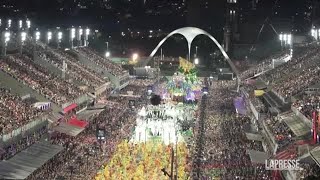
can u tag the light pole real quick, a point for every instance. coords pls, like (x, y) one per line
(86, 37)
(37, 36)
(49, 37)
(9, 23)
(23, 39)
(28, 23)
(80, 32)
(196, 51)
(5, 39)
(108, 52)
(20, 24)
(59, 38)
(72, 36)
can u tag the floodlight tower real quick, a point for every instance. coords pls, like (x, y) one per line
(86, 37)
(72, 36)
(37, 36)
(9, 23)
(5, 39)
(80, 33)
(59, 38)
(23, 37)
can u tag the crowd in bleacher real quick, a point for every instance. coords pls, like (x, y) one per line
(83, 154)
(306, 104)
(22, 68)
(73, 67)
(94, 57)
(283, 134)
(263, 65)
(14, 113)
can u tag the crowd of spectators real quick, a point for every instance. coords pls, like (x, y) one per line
(83, 155)
(22, 68)
(263, 65)
(224, 144)
(74, 68)
(93, 56)
(306, 104)
(295, 75)
(14, 113)
(283, 134)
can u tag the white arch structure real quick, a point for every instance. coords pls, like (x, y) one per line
(190, 33)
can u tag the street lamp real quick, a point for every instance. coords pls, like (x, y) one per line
(196, 61)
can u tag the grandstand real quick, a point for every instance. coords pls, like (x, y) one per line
(290, 97)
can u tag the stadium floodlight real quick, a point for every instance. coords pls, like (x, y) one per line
(49, 36)
(80, 32)
(7, 37)
(59, 35)
(28, 23)
(0, 22)
(196, 61)
(9, 23)
(87, 31)
(37, 36)
(281, 37)
(107, 54)
(73, 33)
(289, 39)
(20, 24)
(135, 57)
(23, 36)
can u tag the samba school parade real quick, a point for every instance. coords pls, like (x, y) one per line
(163, 131)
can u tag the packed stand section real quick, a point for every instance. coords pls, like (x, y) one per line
(282, 133)
(74, 68)
(83, 155)
(39, 79)
(295, 75)
(307, 104)
(14, 113)
(265, 64)
(93, 56)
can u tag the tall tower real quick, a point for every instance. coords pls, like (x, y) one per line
(231, 24)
